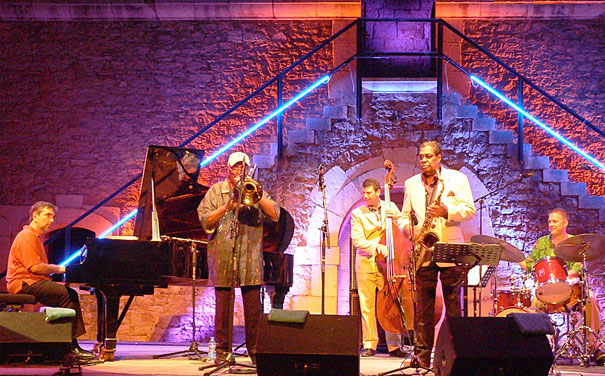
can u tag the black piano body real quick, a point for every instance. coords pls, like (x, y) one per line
(115, 268)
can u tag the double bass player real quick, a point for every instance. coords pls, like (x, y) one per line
(367, 226)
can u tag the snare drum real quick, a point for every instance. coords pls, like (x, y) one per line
(551, 279)
(505, 311)
(513, 298)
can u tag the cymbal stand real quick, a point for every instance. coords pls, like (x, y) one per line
(414, 362)
(234, 234)
(193, 351)
(583, 330)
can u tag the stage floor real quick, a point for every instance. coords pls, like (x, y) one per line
(135, 358)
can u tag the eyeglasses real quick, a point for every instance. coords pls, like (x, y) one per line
(425, 156)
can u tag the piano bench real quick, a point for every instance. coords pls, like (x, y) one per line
(15, 302)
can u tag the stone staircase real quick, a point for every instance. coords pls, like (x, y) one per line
(540, 165)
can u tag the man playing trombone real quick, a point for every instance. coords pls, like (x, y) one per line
(217, 213)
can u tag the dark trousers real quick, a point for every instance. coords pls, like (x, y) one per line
(252, 313)
(451, 282)
(54, 294)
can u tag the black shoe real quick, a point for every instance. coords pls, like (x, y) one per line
(368, 353)
(398, 353)
(82, 354)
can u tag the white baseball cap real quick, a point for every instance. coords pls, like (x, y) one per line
(237, 157)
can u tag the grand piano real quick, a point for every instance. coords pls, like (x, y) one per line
(111, 268)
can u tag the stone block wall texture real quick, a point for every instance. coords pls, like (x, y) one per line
(397, 37)
(566, 58)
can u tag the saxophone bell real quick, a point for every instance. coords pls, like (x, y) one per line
(429, 240)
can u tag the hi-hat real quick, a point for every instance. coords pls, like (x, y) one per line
(509, 251)
(571, 249)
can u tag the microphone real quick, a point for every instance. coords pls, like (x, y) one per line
(320, 180)
(526, 174)
(251, 171)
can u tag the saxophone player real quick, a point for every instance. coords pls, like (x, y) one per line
(438, 199)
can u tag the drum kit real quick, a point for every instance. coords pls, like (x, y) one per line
(555, 291)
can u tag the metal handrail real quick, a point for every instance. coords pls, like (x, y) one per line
(523, 78)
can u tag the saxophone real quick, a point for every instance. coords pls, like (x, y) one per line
(428, 238)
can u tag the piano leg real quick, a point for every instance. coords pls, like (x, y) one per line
(100, 321)
(111, 327)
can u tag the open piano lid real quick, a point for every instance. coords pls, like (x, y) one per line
(174, 172)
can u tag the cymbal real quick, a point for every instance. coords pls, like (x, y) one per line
(509, 251)
(571, 249)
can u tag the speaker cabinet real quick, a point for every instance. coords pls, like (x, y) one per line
(323, 345)
(27, 334)
(489, 346)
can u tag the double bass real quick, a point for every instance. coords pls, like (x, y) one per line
(394, 305)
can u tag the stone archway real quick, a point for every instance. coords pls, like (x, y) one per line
(343, 193)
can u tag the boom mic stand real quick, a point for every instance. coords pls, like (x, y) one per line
(234, 234)
(325, 238)
(415, 362)
(193, 351)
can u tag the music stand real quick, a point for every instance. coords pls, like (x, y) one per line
(467, 256)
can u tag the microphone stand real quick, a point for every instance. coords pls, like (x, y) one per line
(480, 200)
(415, 362)
(325, 238)
(193, 351)
(234, 234)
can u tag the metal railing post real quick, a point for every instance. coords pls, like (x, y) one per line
(439, 70)
(280, 117)
(520, 124)
(360, 49)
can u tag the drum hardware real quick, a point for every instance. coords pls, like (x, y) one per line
(585, 248)
(509, 253)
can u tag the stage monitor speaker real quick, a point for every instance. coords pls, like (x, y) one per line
(323, 345)
(26, 335)
(489, 346)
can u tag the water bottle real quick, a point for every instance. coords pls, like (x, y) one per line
(212, 350)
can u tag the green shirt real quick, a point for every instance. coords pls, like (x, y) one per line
(545, 248)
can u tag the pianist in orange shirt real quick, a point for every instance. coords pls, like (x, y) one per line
(29, 272)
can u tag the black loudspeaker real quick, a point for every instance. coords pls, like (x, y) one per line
(27, 335)
(323, 345)
(489, 346)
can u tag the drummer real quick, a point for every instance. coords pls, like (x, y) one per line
(545, 246)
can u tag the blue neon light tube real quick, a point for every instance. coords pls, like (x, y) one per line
(539, 123)
(209, 159)
(281, 109)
